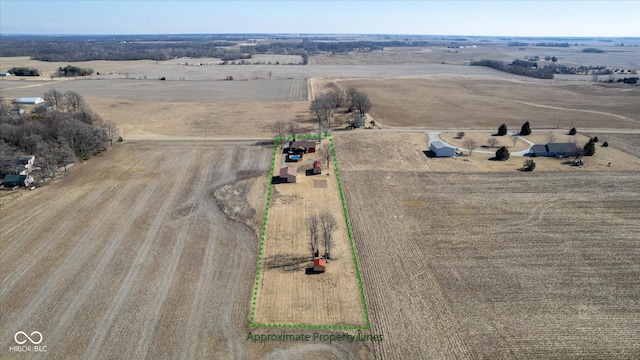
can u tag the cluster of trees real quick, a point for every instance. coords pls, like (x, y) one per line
(70, 71)
(518, 67)
(321, 227)
(24, 71)
(65, 135)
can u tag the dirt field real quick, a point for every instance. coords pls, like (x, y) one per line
(287, 294)
(129, 256)
(481, 265)
(451, 102)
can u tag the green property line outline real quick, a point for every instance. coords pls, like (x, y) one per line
(252, 323)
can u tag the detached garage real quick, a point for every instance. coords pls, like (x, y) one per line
(441, 150)
(288, 174)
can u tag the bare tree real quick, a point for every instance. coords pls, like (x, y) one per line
(515, 136)
(270, 74)
(294, 128)
(322, 109)
(4, 106)
(360, 101)
(280, 127)
(337, 97)
(351, 92)
(55, 98)
(325, 153)
(74, 102)
(470, 144)
(110, 129)
(328, 224)
(551, 137)
(492, 141)
(313, 225)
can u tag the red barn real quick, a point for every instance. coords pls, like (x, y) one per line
(319, 265)
(317, 168)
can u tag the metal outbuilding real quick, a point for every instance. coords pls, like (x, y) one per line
(29, 100)
(441, 149)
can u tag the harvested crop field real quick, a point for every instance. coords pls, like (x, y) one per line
(172, 90)
(129, 256)
(487, 265)
(455, 102)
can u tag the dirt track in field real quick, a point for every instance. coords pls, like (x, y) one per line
(496, 265)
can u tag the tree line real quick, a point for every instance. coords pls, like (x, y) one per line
(518, 67)
(73, 49)
(69, 133)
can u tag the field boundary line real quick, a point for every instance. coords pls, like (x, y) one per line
(256, 284)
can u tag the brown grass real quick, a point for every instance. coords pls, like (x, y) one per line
(286, 294)
(487, 265)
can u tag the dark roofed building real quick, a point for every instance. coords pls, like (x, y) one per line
(308, 146)
(17, 180)
(554, 149)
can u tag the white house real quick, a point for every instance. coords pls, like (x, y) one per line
(29, 100)
(440, 149)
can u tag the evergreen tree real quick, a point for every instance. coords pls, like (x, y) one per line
(502, 153)
(572, 131)
(525, 130)
(590, 148)
(502, 130)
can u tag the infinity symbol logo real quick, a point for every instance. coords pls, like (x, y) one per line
(15, 337)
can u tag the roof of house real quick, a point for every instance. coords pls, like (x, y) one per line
(561, 147)
(319, 261)
(317, 164)
(303, 144)
(439, 145)
(29, 100)
(539, 149)
(13, 178)
(288, 170)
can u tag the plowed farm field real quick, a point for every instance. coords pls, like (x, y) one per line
(505, 265)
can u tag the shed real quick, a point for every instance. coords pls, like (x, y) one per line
(440, 149)
(29, 100)
(288, 174)
(319, 265)
(5, 74)
(308, 146)
(317, 168)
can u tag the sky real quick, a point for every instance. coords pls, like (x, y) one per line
(472, 18)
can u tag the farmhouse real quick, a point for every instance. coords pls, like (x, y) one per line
(288, 174)
(307, 146)
(554, 149)
(29, 100)
(317, 168)
(441, 150)
(319, 265)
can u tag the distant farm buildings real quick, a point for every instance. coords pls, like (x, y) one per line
(29, 100)
(440, 149)
(554, 149)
